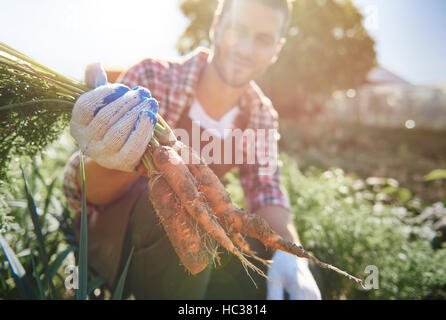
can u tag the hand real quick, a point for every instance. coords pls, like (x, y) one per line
(112, 124)
(291, 274)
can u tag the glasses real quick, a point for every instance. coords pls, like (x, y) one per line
(236, 34)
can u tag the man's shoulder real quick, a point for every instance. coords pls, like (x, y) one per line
(146, 70)
(148, 65)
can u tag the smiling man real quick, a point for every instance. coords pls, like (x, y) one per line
(214, 90)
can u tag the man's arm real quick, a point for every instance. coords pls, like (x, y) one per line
(102, 185)
(290, 274)
(280, 220)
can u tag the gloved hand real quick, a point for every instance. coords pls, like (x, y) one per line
(111, 123)
(291, 274)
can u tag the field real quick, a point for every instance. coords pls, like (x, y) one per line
(359, 198)
(357, 195)
(402, 154)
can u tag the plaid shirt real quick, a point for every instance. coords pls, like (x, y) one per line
(173, 84)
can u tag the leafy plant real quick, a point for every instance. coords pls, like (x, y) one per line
(435, 175)
(27, 275)
(341, 219)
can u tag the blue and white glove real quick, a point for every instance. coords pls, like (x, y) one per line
(112, 123)
(291, 274)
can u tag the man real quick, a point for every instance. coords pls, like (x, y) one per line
(215, 90)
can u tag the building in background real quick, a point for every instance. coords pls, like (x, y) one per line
(390, 101)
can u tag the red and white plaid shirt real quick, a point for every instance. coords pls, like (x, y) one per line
(173, 84)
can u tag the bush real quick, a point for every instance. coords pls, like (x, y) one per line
(349, 223)
(339, 221)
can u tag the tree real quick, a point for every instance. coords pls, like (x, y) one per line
(327, 49)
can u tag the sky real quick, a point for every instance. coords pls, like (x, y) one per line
(410, 37)
(67, 35)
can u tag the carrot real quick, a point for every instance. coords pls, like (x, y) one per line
(196, 165)
(241, 243)
(172, 167)
(236, 220)
(183, 234)
(233, 219)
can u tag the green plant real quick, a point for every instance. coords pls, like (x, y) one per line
(339, 224)
(25, 274)
(435, 175)
(340, 220)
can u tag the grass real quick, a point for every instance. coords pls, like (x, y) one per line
(39, 274)
(81, 293)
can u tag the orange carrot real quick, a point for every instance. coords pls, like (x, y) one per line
(236, 220)
(172, 167)
(183, 234)
(243, 245)
(233, 219)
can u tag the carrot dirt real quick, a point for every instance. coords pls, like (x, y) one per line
(183, 234)
(243, 245)
(172, 167)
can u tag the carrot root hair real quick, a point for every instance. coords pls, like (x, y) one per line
(173, 168)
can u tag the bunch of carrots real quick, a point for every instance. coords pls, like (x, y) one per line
(197, 213)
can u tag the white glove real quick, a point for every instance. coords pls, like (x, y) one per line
(113, 124)
(291, 274)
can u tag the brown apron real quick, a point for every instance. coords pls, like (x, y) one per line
(107, 228)
(219, 169)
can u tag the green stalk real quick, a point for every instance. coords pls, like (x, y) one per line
(81, 293)
(29, 70)
(165, 125)
(57, 83)
(75, 92)
(56, 76)
(117, 295)
(163, 135)
(36, 276)
(38, 231)
(154, 143)
(148, 162)
(68, 105)
(8, 61)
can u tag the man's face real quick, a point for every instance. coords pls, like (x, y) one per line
(246, 41)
